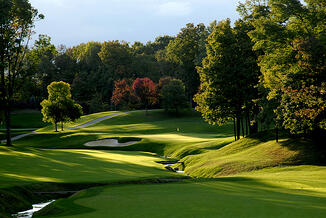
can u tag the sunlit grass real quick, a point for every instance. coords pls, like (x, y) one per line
(82, 120)
(268, 193)
(76, 166)
(160, 133)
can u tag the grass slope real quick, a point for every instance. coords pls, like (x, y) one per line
(250, 154)
(280, 192)
(75, 166)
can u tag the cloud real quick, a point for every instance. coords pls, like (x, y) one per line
(174, 8)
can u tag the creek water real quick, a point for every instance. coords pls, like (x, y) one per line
(29, 213)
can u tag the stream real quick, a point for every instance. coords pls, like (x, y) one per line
(29, 213)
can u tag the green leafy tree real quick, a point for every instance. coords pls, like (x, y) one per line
(59, 107)
(228, 75)
(173, 96)
(17, 19)
(187, 51)
(291, 39)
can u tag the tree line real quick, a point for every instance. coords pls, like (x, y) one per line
(267, 69)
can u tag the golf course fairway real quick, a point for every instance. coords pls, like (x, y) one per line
(253, 177)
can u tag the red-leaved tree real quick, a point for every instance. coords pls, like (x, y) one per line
(121, 94)
(145, 90)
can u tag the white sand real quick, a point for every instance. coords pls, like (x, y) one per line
(109, 143)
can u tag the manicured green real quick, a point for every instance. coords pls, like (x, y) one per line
(25, 119)
(207, 152)
(23, 166)
(82, 120)
(280, 192)
(173, 136)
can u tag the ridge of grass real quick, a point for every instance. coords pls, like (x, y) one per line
(249, 154)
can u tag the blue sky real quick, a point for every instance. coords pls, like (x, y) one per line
(71, 22)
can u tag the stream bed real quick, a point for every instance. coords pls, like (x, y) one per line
(29, 213)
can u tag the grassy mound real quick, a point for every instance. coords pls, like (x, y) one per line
(248, 154)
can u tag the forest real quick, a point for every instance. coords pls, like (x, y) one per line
(265, 70)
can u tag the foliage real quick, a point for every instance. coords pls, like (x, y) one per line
(173, 96)
(292, 42)
(229, 75)
(123, 95)
(145, 90)
(59, 107)
(187, 50)
(17, 19)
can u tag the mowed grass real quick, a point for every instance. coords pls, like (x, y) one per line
(81, 120)
(24, 166)
(249, 154)
(277, 192)
(23, 121)
(160, 133)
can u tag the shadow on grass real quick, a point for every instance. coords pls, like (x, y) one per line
(222, 197)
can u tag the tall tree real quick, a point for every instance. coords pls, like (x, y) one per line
(17, 19)
(293, 62)
(228, 75)
(187, 50)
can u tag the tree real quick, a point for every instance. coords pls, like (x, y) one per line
(59, 107)
(228, 75)
(121, 94)
(291, 38)
(145, 90)
(17, 19)
(187, 50)
(173, 96)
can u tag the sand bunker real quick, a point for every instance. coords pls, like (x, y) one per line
(109, 143)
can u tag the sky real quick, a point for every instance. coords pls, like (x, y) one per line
(71, 22)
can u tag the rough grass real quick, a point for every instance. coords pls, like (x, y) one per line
(278, 192)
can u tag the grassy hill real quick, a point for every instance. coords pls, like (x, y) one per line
(252, 153)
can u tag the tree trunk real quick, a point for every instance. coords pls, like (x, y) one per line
(247, 123)
(8, 124)
(238, 127)
(56, 127)
(61, 126)
(276, 133)
(243, 135)
(234, 129)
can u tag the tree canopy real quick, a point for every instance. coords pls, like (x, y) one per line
(59, 107)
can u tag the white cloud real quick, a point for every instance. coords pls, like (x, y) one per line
(174, 9)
